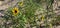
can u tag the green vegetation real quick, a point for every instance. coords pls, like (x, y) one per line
(29, 14)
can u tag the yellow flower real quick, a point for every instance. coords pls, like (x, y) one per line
(20, 3)
(42, 18)
(15, 11)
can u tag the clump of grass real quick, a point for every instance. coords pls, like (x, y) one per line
(24, 13)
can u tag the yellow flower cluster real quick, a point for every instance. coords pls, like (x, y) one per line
(15, 11)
